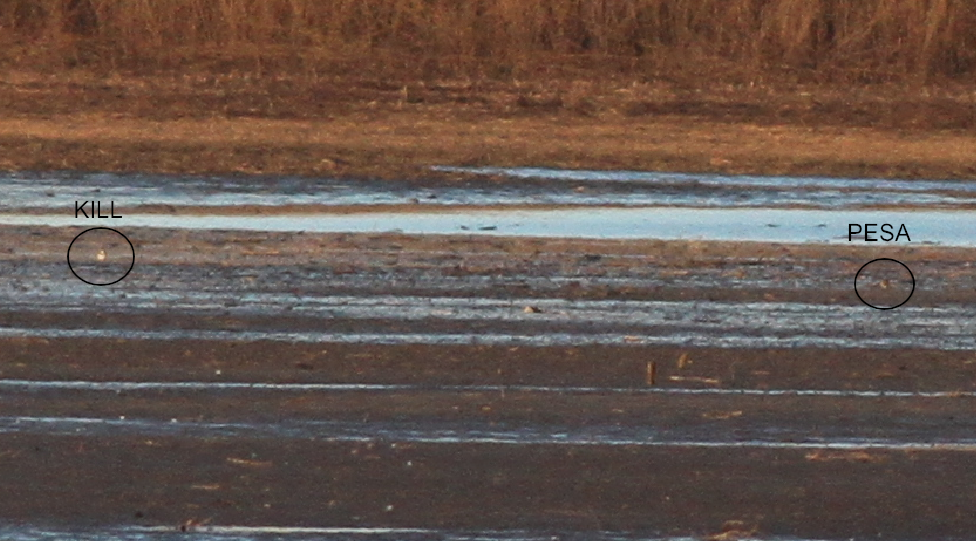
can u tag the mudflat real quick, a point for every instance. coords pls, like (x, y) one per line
(694, 491)
(660, 439)
(684, 439)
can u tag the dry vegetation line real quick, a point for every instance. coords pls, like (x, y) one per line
(549, 75)
(883, 37)
(425, 139)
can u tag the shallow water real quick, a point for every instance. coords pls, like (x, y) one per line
(560, 322)
(52, 190)
(205, 387)
(311, 304)
(689, 339)
(613, 205)
(698, 179)
(946, 228)
(824, 436)
(17, 532)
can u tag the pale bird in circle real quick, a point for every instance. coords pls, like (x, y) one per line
(100, 255)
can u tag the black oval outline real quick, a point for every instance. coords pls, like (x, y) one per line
(133, 264)
(856, 292)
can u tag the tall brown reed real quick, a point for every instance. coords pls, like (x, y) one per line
(873, 38)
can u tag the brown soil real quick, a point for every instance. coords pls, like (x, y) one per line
(582, 366)
(371, 126)
(669, 491)
(809, 493)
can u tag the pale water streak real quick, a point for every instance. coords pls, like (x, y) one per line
(557, 321)
(209, 386)
(711, 179)
(44, 284)
(766, 315)
(500, 433)
(945, 228)
(690, 339)
(218, 532)
(554, 187)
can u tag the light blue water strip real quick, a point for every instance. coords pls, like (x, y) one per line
(945, 228)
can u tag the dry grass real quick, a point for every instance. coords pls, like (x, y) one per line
(361, 88)
(859, 40)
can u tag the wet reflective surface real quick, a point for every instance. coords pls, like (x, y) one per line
(257, 533)
(756, 225)
(538, 187)
(438, 372)
(698, 324)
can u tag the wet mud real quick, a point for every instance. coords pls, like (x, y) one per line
(299, 409)
(660, 491)
(473, 187)
(383, 385)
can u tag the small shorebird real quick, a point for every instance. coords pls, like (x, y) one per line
(100, 255)
(193, 525)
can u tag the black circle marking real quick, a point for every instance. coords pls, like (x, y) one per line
(131, 247)
(884, 307)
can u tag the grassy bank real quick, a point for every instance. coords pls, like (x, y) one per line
(837, 40)
(386, 87)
